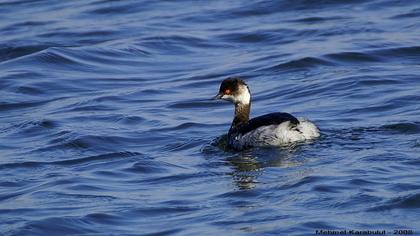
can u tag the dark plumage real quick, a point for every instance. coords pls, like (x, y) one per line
(264, 120)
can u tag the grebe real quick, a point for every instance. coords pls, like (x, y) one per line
(274, 129)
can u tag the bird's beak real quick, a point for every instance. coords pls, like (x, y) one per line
(218, 96)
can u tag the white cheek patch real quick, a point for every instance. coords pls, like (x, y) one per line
(228, 98)
(244, 97)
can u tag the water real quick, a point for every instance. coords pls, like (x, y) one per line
(106, 126)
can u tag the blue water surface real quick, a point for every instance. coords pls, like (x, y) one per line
(107, 127)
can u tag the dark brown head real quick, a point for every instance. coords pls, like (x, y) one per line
(235, 90)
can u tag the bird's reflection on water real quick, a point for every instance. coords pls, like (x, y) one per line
(249, 164)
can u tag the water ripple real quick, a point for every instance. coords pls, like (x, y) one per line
(69, 162)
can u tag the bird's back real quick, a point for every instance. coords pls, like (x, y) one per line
(262, 131)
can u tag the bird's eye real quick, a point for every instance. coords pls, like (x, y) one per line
(227, 91)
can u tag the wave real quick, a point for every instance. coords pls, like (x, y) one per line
(70, 162)
(301, 63)
(9, 52)
(408, 201)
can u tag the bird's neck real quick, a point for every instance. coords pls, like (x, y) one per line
(241, 114)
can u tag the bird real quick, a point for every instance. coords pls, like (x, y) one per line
(273, 129)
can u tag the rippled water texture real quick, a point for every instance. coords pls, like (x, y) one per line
(106, 126)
